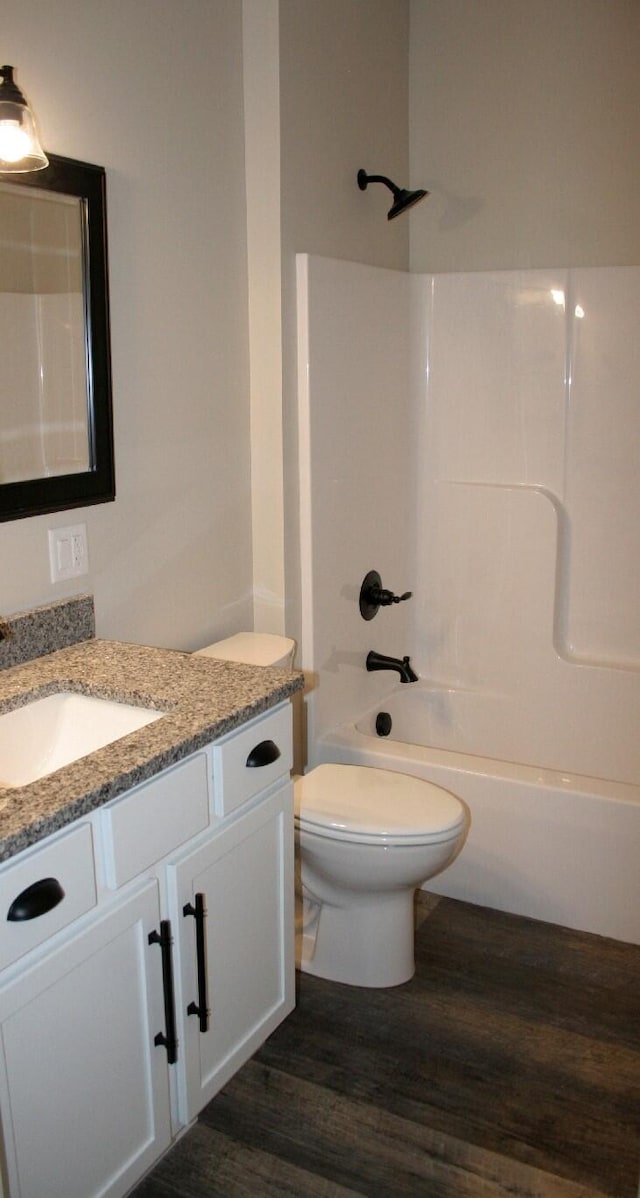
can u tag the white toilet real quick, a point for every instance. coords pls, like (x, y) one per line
(366, 839)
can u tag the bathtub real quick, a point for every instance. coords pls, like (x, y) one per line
(551, 845)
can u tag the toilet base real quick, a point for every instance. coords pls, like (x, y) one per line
(361, 944)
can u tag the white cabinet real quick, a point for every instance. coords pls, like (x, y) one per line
(161, 955)
(233, 897)
(84, 1090)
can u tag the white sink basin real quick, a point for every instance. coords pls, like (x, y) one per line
(44, 735)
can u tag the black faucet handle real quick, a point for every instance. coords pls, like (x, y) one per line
(386, 598)
(374, 596)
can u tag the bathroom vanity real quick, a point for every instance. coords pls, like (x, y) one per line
(153, 948)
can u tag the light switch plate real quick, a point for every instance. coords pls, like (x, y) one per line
(68, 552)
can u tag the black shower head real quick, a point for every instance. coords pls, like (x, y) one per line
(402, 199)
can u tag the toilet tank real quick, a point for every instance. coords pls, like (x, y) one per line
(253, 649)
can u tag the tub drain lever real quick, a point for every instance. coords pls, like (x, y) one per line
(374, 596)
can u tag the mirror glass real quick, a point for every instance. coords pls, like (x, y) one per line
(56, 440)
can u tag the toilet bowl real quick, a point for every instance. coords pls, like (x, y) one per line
(366, 839)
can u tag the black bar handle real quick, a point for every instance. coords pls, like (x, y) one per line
(169, 1040)
(201, 1008)
(263, 754)
(37, 899)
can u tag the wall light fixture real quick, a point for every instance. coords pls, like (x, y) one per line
(20, 149)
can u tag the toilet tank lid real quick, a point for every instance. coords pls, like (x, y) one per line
(252, 649)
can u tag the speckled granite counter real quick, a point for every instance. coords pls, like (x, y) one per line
(203, 699)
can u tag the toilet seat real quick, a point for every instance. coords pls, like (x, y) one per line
(366, 805)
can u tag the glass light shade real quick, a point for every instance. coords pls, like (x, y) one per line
(20, 149)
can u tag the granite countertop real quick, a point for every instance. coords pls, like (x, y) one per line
(203, 699)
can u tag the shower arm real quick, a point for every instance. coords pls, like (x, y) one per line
(364, 179)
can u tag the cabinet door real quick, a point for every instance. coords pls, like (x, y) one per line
(84, 1090)
(245, 877)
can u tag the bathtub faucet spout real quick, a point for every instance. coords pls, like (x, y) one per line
(378, 661)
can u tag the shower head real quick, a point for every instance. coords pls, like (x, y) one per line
(402, 199)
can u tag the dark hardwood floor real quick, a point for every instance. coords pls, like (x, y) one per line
(508, 1066)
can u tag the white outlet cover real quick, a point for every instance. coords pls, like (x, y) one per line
(68, 552)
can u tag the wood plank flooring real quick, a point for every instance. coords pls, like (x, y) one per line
(508, 1066)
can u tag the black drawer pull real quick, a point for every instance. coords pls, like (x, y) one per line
(263, 754)
(167, 1039)
(36, 900)
(201, 1008)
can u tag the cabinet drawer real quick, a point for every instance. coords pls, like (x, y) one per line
(250, 760)
(46, 890)
(154, 819)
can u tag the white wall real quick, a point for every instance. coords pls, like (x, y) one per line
(153, 92)
(171, 559)
(264, 253)
(344, 97)
(344, 100)
(525, 122)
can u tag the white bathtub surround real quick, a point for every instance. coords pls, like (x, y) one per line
(528, 567)
(501, 488)
(356, 473)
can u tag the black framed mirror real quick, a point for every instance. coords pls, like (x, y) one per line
(56, 424)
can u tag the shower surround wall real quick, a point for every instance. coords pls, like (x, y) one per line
(474, 437)
(528, 559)
(356, 476)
